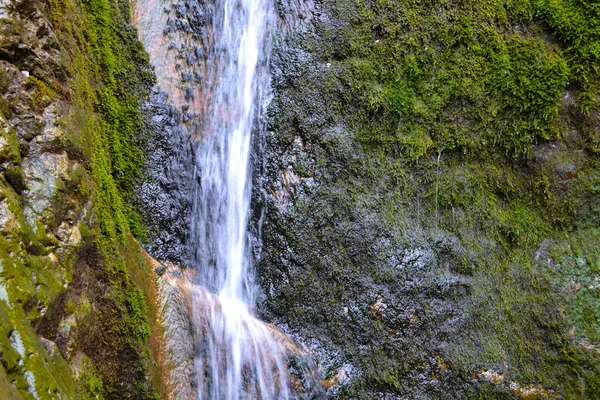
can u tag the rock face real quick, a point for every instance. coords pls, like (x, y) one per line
(39, 214)
(177, 342)
(66, 153)
(414, 228)
(425, 206)
(163, 196)
(175, 295)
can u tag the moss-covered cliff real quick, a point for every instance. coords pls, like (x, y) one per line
(73, 318)
(431, 196)
(426, 199)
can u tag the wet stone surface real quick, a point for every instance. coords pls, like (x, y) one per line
(164, 194)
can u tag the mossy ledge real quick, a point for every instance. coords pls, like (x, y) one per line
(430, 187)
(74, 295)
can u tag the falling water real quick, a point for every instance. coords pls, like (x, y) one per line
(237, 357)
(211, 57)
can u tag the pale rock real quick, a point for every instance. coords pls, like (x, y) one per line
(284, 194)
(4, 146)
(78, 363)
(75, 237)
(5, 214)
(4, 294)
(178, 339)
(4, 4)
(8, 221)
(50, 346)
(30, 377)
(48, 135)
(63, 232)
(4, 289)
(42, 174)
(67, 324)
(17, 343)
(67, 234)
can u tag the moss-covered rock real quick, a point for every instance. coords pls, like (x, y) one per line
(430, 196)
(74, 322)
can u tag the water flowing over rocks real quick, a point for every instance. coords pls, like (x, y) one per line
(176, 298)
(197, 98)
(343, 199)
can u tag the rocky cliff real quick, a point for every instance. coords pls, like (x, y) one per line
(428, 193)
(74, 319)
(425, 207)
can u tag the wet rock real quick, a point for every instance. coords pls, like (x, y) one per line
(358, 290)
(164, 196)
(159, 271)
(295, 12)
(178, 343)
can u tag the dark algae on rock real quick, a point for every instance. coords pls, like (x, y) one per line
(74, 318)
(428, 194)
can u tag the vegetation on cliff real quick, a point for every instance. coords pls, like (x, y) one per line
(75, 322)
(434, 212)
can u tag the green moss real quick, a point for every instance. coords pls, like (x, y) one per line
(24, 354)
(139, 314)
(12, 151)
(42, 95)
(576, 23)
(415, 73)
(474, 122)
(106, 76)
(4, 80)
(91, 386)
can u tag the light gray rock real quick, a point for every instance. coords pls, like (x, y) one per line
(178, 344)
(42, 176)
(5, 215)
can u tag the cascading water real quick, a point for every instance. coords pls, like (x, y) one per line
(211, 58)
(237, 356)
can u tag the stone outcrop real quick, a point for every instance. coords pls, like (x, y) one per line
(65, 288)
(177, 345)
(410, 235)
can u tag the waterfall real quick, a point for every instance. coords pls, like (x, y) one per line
(212, 59)
(237, 356)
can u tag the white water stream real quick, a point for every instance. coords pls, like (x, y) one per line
(236, 357)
